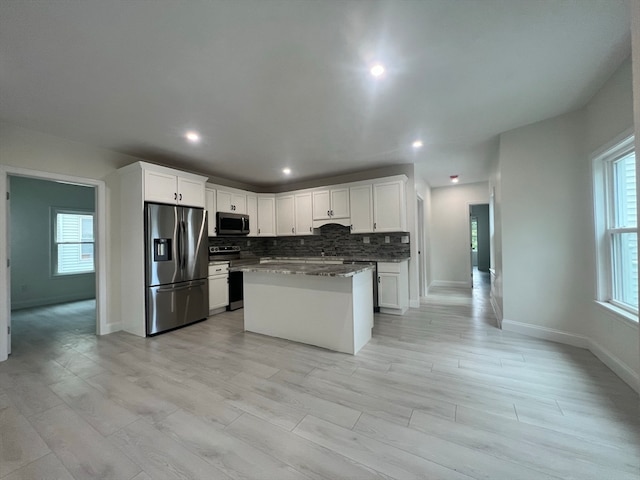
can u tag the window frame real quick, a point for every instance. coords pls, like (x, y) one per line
(55, 211)
(604, 212)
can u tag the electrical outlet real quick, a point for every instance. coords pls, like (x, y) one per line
(275, 242)
(365, 240)
(404, 239)
(248, 243)
(387, 239)
(302, 241)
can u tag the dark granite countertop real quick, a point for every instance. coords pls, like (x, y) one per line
(287, 268)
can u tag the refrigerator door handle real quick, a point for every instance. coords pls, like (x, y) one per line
(171, 288)
(183, 237)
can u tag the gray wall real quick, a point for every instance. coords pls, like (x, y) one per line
(32, 282)
(481, 212)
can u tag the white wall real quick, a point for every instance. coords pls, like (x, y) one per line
(32, 281)
(544, 182)
(450, 235)
(546, 228)
(609, 114)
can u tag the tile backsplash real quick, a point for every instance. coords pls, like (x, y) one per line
(333, 239)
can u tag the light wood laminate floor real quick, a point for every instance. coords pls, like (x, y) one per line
(440, 393)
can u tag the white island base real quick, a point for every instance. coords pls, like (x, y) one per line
(334, 312)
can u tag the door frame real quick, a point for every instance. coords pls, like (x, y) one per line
(422, 271)
(100, 246)
(469, 215)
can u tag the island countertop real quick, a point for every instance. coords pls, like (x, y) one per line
(325, 270)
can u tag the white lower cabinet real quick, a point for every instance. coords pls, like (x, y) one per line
(218, 287)
(393, 287)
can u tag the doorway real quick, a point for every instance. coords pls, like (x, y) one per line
(98, 191)
(52, 245)
(479, 239)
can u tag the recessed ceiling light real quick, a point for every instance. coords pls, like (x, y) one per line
(417, 144)
(454, 178)
(286, 171)
(377, 70)
(193, 137)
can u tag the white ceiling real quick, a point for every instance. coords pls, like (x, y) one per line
(275, 83)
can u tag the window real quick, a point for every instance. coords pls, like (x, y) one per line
(73, 242)
(617, 227)
(474, 234)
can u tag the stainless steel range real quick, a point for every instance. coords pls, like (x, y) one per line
(234, 256)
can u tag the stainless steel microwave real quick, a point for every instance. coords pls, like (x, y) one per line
(232, 224)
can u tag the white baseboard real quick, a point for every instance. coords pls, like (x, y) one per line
(110, 328)
(618, 367)
(630, 377)
(545, 333)
(450, 283)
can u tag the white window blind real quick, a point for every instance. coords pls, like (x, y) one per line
(73, 245)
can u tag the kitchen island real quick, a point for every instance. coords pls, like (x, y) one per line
(329, 306)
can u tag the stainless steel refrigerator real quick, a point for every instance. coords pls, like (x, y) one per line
(176, 266)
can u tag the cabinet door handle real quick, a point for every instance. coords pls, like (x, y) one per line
(175, 196)
(258, 231)
(378, 279)
(374, 225)
(332, 213)
(180, 197)
(328, 213)
(351, 227)
(311, 229)
(292, 230)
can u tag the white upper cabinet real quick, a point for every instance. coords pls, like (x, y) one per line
(165, 185)
(285, 215)
(331, 203)
(190, 192)
(266, 216)
(252, 211)
(340, 203)
(231, 201)
(389, 206)
(303, 214)
(210, 198)
(361, 205)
